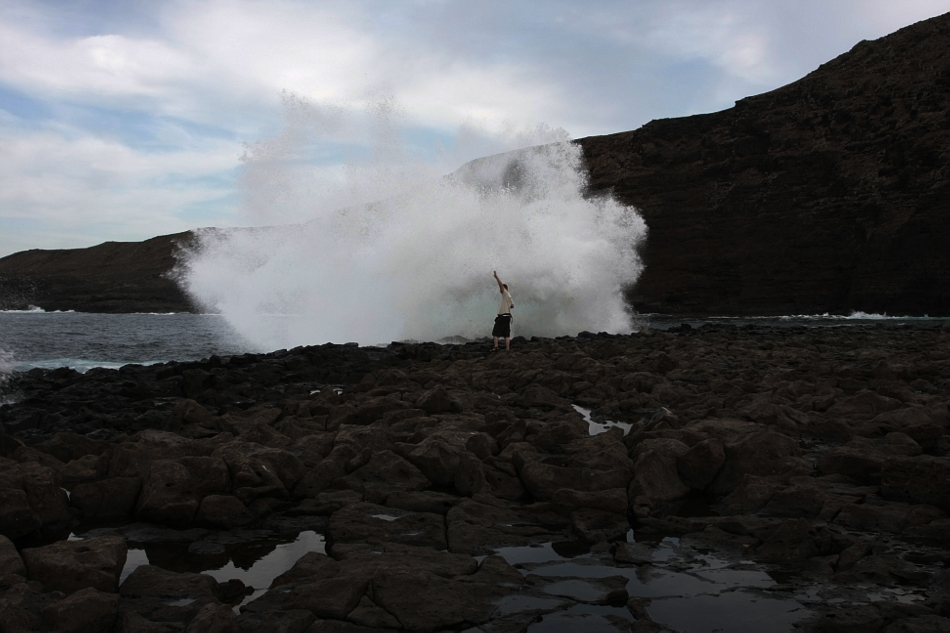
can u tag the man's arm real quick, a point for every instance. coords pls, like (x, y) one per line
(501, 287)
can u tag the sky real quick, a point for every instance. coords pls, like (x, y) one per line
(123, 120)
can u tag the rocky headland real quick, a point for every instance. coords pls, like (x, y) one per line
(830, 194)
(777, 476)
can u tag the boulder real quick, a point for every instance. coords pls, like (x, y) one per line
(331, 598)
(793, 540)
(133, 458)
(164, 596)
(483, 524)
(69, 566)
(383, 474)
(656, 477)
(361, 559)
(273, 621)
(438, 400)
(311, 449)
(762, 453)
(152, 581)
(81, 470)
(10, 560)
(862, 458)
(424, 501)
(587, 472)
(482, 445)
(107, 499)
(223, 511)
(16, 516)
(437, 459)
(369, 523)
(214, 618)
(613, 500)
(921, 479)
(173, 490)
(309, 567)
(31, 499)
(751, 495)
(260, 471)
(85, 611)
(67, 446)
(595, 526)
(796, 501)
(699, 466)
(369, 614)
(425, 602)
(192, 420)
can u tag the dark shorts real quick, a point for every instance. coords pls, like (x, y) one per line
(502, 326)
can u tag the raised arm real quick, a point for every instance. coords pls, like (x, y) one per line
(501, 287)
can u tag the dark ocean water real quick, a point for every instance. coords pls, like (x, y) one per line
(84, 340)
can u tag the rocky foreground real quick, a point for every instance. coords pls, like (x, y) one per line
(803, 472)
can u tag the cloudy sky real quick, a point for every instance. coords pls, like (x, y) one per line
(122, 120)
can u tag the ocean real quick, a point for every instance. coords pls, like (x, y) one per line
(82, 340)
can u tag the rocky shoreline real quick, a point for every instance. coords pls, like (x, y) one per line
(774, 478)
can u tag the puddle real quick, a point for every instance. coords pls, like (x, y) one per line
(583, 618)
(736, 612)
(183, 602)
(579, 590)
(515, 604)
(596, 427)
(255, 563)
(691, 591)
(548, 552)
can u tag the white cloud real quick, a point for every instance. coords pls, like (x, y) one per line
(76, 187)
(600, 67)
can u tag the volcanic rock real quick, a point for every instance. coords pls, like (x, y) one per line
(69, 566)
(87, 611)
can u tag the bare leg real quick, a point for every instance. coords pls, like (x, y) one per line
(496, 342)
(507, 343)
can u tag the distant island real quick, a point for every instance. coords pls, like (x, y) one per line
(830, 194)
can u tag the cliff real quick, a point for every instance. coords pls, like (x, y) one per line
(829, 194)
(826, 195)
(110, 277)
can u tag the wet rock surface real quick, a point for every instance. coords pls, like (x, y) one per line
(719, 477)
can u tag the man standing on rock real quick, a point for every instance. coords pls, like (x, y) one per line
(503, 320)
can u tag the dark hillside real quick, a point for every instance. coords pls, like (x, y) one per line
(110, 277)
(829, 194)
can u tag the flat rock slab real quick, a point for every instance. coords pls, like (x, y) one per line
(484, 524)
(371, 523)
(69, 566)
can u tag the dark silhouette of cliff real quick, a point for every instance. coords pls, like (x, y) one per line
(110, 277)
(829, 194)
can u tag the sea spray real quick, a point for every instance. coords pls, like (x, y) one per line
(417, 263)
(6, 373)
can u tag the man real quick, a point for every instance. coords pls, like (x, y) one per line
(503, 320)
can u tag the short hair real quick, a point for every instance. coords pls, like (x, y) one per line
(505, 285)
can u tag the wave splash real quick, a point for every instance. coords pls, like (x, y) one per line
(418, 264)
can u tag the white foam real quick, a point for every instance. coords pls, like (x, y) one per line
(82, 365)
(6, 369)
(417, 264)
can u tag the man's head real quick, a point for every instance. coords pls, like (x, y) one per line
(505, 285)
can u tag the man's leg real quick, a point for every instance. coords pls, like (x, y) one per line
(496, 341)
(507, 343)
